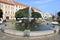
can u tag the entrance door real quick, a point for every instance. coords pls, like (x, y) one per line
(7, 17)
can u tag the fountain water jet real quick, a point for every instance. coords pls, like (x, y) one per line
(30, 11)
(27, 32)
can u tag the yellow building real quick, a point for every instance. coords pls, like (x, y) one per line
(9, 7)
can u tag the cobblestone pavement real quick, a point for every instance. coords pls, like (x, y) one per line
(3, 36)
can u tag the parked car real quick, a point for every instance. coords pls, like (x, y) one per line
(54, 23)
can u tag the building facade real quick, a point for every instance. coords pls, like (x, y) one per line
(9, 7)
(47, 15)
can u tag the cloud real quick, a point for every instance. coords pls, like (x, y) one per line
(42, 1)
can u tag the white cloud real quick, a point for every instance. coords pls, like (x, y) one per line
(42, 1)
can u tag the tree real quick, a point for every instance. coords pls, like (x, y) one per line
(1, 13)
(58, 13)
(58, 18)
(36, 15)
(21, 13)
(25, 13)
(53, 17)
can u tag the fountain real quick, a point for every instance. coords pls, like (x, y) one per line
(33, 26)
(38, 27)
(37, 30)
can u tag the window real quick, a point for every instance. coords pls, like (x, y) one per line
(5, 6)
(8, 12)
(11, 12)
(5, 11)
(11, 16)
(12, 7)
(7, 17)
(16, 9)
(8, 6)
(19, 6)
(16, 6)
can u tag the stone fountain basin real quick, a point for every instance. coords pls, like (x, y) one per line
(32, 33)
(39, 33)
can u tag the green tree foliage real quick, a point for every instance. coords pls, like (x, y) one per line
(36, 15)
(53, 17)
(19, 14)
(1, 13)
(25, 13)
(58, 18)
(58, 13)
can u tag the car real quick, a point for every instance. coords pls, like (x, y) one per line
(54, 23)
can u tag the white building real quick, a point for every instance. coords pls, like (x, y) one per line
(46, 15)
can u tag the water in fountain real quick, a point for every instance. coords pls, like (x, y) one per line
(30, 11)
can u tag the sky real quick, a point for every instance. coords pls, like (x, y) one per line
(50, 6)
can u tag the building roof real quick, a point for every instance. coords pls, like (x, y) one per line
(35, 8)
(17, 3)
(7, 1)
(12, 2)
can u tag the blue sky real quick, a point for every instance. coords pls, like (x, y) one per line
(51, 6)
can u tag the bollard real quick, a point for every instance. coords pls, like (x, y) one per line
(26, 33)
(5, 24)
(54, 31)
(59, 31)
(3, 28)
